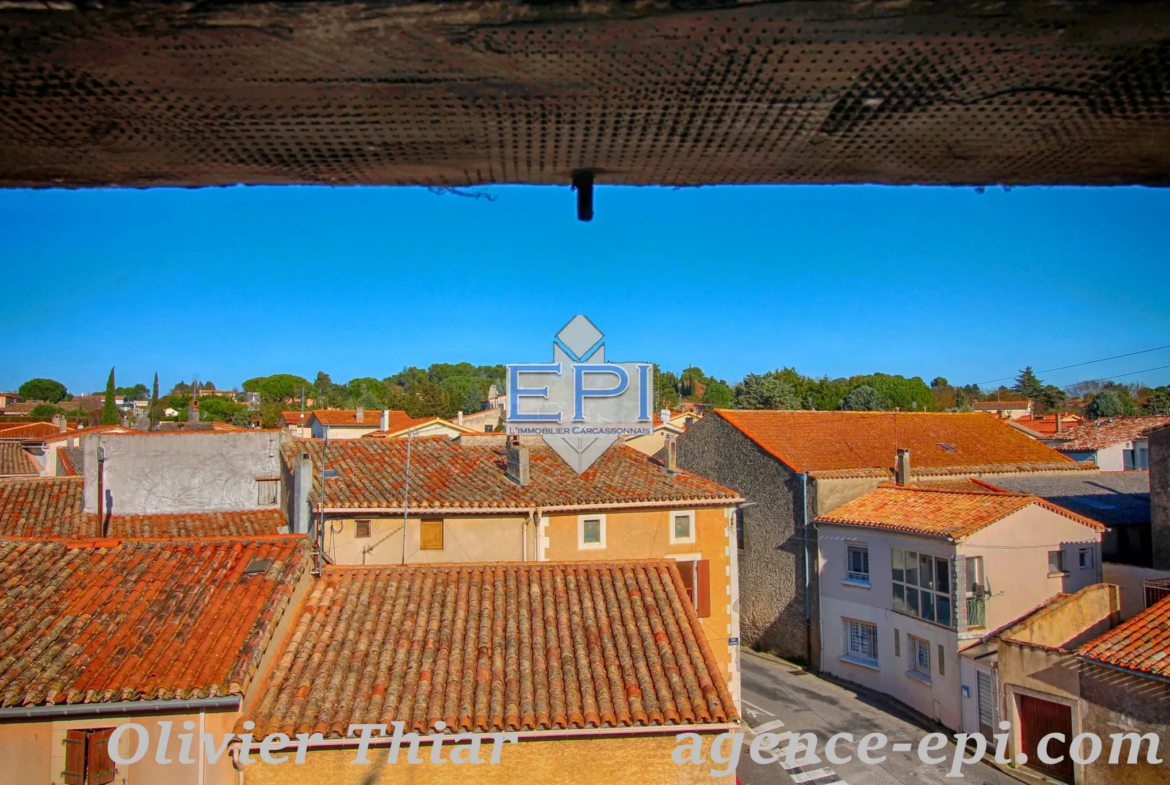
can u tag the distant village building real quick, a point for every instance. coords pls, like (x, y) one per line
(1115, 444)
(1006, 410)
(356, 423)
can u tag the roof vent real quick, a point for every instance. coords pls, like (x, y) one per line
(258, 566)
(360, 414)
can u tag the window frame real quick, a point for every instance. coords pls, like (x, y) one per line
(1081, 554)
(357, 528)
(699, 569)
(1059, 568)
(923, 595)
(267, 492)
(690, 516)
(591, 546)
(919, 649)
(859, 656)
(740, 518)
(852, 576)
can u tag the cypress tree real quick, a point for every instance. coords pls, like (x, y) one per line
(154, 403)
(109, 407)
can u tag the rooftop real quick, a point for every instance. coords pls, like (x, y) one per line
(103, 620)
(1112, 498)
(866, 443)
(916, 509)
(371, 418)
(15, 462)
(999, 406)
(494, 647)
(448, 475)
(1099, 434)
(1141, 645)
(29, 431)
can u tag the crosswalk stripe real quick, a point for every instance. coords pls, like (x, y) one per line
(809, 776)
(767, 727)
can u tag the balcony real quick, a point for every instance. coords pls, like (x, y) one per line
(976, 612)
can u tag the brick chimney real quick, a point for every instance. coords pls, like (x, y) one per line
(902, 467)
(518, 466)
(193, 411)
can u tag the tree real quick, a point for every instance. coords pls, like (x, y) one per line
(1051, 398)
(49, 390)
(1106, 403)
(213, 407)
(472, 401)
(1158, 401)
(155, 409)
(109, 406)
(280, 387)
(765, 391)
(45, 410)
(864, 398)
(367, 391)
(1028, 385)
(938, 382)
(718, 395)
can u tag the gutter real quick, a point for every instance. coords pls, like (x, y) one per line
(120, 707)
(667, 503)
(1130, 671)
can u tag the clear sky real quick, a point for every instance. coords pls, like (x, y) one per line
(231, 283)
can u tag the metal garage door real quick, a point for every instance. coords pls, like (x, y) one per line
(1038, 718)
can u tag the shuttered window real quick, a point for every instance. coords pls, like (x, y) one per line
(74, 773)
(100, 764)
(696, 578)
(431, 536)
(87, 757)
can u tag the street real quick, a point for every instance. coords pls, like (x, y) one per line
(780, 698)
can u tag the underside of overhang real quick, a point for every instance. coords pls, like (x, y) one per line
(646, 93)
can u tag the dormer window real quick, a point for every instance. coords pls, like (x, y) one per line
(947, 447)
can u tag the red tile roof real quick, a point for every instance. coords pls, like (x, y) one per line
(449, 475)
(1045, 424)
(1099, 434)
(494, 647)
(850, 441)
(70, 461)
(15, 462)
(203, 524)
(29, 431)
(1141, 644)
(42, 507)
(939, 513)
(123, 620)
(984, 406)
(294, 418)
(78, 433)
(371, 418)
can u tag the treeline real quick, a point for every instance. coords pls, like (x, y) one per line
(786, 388)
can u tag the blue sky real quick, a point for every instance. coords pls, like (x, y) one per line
(231, 283)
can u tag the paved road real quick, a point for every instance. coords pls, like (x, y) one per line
(779, 698)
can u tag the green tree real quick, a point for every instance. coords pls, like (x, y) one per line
(49, 390)
(864, 398)
(472, 401)
(1158, 401)
(109, 406)
(213, 407)
(718, 395)
(938, 382)
(366, 391)
(280, 387)
(1028, 385)
(155, 408)
(45, 410)
(766, 391)
(898, 391)
(1106, 403)
(1049, 399)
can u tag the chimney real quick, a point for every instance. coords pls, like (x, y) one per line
(459, 418)
(1059, 422)
(902, 467)
(671, 454)
(664, 415)
(59, 421)
(360, 414)
(193, 411)
(302, 482)
(384, 426)
(517, 456)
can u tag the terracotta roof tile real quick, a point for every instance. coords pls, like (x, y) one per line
(371, 418)
(78, 433)
(294, 418)
(494, 647)
(29, 431)
(42, 507)
(983, 406)
(1044, 425)
(202, 524)
(915, 509)
(852, 441)
(15, 462)
(446, 474)
(123, 620)
(1141, 644)
(71, 461)
(1099, 434)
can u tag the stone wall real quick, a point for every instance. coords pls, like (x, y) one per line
(1115, 702)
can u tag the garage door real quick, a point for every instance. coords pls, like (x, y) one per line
(1038, 718)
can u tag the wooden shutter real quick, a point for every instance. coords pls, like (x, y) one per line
(101, 765)
(703, 588)
(74, 773)
(686, 570)
(431, 536)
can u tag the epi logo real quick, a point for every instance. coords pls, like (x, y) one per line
(580, 403)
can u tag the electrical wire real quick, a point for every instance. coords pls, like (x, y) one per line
(1115, 376)
(1078, 365)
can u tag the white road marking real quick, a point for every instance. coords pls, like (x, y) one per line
(755, 710)
(768, 726)
(809, 776)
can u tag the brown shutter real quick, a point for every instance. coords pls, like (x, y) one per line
(431, 536)
(101, 765)
(686, 571)
(703, 588)
(74, 773)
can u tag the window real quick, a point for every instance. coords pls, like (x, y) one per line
(266, 491)
(740, 529)
(897, 643)
(87, 757)
(682, 527)
(919, 658)
(1055, 561)
(590, 532)
(941, 659)
(861, 641)
(922, 586)
(431, 536)
(361, 529)
(947, 447)
(1085, 558)
(696, 578)
(857, 565)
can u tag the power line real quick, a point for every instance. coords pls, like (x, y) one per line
(1115, 376)
(1078, 365)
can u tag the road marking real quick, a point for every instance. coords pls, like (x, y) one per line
(768, 726)
(755, 710)
(809, 776)
(902, 747)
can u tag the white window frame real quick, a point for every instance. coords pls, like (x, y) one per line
(857, 656)
(590, 546)
(689, 514)
(1061, 568)
(850, 575)
(918, 648)
(1085, 564)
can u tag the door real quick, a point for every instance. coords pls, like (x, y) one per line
(986, 704)
(1038, 718)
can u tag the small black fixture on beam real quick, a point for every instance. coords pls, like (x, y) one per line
(583, 185)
